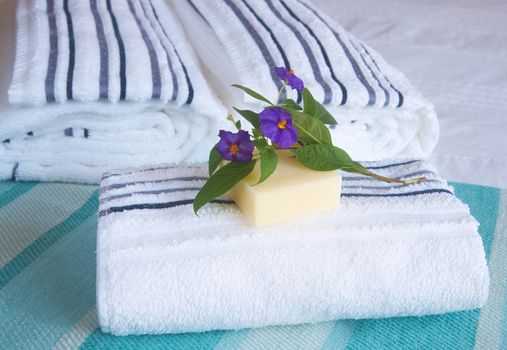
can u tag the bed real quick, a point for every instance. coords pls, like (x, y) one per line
(454, 52)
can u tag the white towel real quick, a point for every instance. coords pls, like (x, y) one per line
(99, 85)
(386, 251)
(380, 115)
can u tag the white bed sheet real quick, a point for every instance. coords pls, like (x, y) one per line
(454, 51)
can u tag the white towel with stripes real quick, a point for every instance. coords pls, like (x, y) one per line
(388, 250)
(99, 85)
(380, 114)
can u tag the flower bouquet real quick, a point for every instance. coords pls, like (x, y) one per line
(285, 124)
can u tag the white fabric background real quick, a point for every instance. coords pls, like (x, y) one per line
(454, 51)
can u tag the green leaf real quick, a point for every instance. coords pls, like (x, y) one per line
(251, 116)
(290, 103)
(326, 158)
(222, 181)
(252, 93)
(214, 160)
(315, 109)
(237, 123)
(260, 144)
(256, 133)
(269, 161)
(310, 130)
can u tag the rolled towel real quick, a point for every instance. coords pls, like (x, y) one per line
(100, 85)
(380, 114)
(388, 250)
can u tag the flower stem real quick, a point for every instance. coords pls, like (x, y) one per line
(388, 179)
(280, 92)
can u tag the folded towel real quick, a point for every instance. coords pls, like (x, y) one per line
(99, 85)
(388, 250)
(380, 115)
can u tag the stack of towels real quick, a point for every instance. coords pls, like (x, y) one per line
(388, 250)
(99, 85)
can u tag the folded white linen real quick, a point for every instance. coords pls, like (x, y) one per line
(386, 251)
(99, 85)
(380, 114)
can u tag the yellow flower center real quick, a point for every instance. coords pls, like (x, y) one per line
(234, 149)
(282, 124)
(292, 71)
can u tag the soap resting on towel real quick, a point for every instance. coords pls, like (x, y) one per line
(388, 250)
(99, 85)
(380, 114)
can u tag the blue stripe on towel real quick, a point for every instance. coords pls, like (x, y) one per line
(103, 52)
(322, 50)
(400, 95)
(271, 34)
(403, 194)
(190, 96)
(72, 58)
(352, 60)
(53, 52)
(121, 51)
(155, 69)
(165, 205)
(168, 57)
(328, 93)
(259, 42)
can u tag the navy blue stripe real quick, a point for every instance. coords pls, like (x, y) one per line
(121, 49)
(155, 68)
(14, 171)
(169, 61)
(72, 53)
(108, 211)
(68, 132)
(103, 51)
(322, 50)
(30, 133)
(415, 193)
(372, 73)
(352, 60)
(328, 93)
(392, 165)
(187, 78)
(260, 43)
(165, 190)
(86, 133)
(125, 184)
(271, 34)
(400, 95)
(49, 83)
(198, 12)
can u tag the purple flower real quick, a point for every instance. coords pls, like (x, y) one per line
(276, 124)
(236, 147)
(288, 76)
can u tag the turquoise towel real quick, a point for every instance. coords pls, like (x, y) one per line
(47, 286)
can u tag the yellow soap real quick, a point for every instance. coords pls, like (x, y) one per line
(291, 192)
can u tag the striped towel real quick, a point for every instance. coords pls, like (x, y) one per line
(380, 115)
(47, 286)
(102, 84)
(386, 251)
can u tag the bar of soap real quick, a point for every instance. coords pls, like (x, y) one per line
(291, 192)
